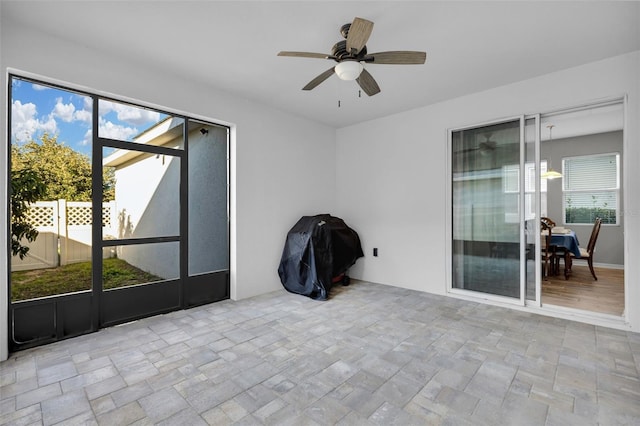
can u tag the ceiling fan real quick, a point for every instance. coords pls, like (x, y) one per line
(484, 147)
(351, 53)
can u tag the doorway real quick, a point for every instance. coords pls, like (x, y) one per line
(586, 146)
(501, 187)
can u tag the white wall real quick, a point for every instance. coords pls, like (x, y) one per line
(276, 157)
(392, 172)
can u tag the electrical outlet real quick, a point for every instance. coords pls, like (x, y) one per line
(375, 251)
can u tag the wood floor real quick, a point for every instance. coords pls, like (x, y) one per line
(581, 291)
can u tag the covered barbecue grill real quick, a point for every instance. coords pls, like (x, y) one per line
(318, 250)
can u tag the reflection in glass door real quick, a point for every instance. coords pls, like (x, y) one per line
(486, 252)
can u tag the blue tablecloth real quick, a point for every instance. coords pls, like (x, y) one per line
(568, 241)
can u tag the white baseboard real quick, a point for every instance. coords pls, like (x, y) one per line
(577, 261)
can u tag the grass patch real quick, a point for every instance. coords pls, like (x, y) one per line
(75, 277)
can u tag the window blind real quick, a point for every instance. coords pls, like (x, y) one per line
(590, 188)
(594, 172)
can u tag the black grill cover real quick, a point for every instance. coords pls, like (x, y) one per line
(318, 248)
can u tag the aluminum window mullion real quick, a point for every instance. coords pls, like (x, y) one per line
(141, 147)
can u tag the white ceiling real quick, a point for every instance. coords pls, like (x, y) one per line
(471, 46)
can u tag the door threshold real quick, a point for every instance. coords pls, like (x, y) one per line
(589, 317)
(555, 311)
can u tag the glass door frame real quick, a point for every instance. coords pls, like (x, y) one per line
(518, 301)
(537, 210)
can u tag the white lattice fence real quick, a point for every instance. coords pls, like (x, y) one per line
(43, 214)
(64, 233)
(43, 252)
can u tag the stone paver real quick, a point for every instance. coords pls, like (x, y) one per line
(371, 355)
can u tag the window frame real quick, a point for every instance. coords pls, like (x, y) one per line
(615, 190)
(52, 318)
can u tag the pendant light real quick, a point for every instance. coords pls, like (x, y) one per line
(550, 174)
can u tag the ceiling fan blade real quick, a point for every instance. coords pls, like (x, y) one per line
(397, 57)
(464, 151)
(319, 79)
(359, 33)
(483, 147)
(368, 83)
(305, 55)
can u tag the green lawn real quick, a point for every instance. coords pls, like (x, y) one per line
(75, 277)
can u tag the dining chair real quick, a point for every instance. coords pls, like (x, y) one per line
(555, 250)
(588, 252)
(549, 222)
(546, 250)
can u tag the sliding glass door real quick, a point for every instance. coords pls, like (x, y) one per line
(487, 244)
(507, 175)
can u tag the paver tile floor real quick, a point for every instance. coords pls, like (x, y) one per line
(370, 355)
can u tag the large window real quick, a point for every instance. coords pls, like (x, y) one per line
(591, 188)
(118, 212)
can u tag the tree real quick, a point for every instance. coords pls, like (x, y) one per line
(26, 187)
(47, 171)
(67, 173)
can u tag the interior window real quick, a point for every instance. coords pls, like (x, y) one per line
(591, 187)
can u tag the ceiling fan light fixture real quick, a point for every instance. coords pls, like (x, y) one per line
(348, 70)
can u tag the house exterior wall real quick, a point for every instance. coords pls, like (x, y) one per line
(208, 220)
(147, 197)
(392, 173)
(275, 157)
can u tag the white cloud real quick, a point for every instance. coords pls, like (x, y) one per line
(23, 112)
(50, 126)
(69, 113)
(83, 115)
(129, 114)
(105, 107)
(25, 124)
(137, 116)
(107, 129)
(64, 111)
(88, 103)
(39, 87)
(88, 138)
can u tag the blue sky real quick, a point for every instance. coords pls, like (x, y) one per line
(36, 109)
